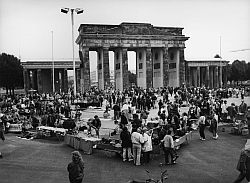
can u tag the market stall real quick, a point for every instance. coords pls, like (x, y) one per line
(47, 131)
(240, 126)
(81, 141)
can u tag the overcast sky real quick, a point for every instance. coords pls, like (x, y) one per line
(26, 25)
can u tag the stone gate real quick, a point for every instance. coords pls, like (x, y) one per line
(159, 54)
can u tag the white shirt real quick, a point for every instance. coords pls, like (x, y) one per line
(147, 146)
(137, 138)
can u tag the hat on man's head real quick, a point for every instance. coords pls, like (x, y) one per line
(95, 116)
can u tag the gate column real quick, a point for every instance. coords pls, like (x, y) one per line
(216, 79)
(165, 67)
(149, 68)
(125, 76)
(85, 69)
(118, 69)
(198, 76)
(39, 81)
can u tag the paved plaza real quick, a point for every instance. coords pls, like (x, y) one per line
(45, 161)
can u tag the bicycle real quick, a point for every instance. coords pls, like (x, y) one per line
(162, 179)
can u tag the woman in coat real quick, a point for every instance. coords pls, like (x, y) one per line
(76, 168)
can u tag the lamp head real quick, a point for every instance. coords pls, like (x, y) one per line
(79, 10)
(65, 10)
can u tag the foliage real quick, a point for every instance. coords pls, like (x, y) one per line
(239, 71)
(11, 72)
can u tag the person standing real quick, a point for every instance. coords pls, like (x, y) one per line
(76, 168)
(201, 122)
(126, 144)
(97, 125)
(1, 131)
(214, 125)
(248, 120)
(168, 148)
(137, 141)
(243, 165)
(116, 111)
(147, 146)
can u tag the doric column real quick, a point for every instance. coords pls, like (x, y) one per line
(211, 77)
(188, 71)
(125, 76)
(216, 81)
(149, 68)
(225, 76)
(207, 77)
(118, 69)
(65, 80)
(78, 80)
(220, 77)
(100, 69)
(198, 76)
(181, 67)
(106, 72)
(26, 80)
(103, 68)
(39, 81)
(85, 69)
(165, 67)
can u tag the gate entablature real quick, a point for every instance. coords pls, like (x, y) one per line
(137, 35)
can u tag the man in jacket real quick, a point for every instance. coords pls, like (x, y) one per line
(126, 144)
(244, 164)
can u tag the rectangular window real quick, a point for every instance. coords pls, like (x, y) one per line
(172, 65)
(157, 65)
(140, 65)
(157, 74)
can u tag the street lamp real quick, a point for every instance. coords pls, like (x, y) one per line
(53, 66)
(78, 11)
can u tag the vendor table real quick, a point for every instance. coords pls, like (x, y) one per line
(53, 129)
(48, 131)
(81, 142)
(186, 138)
(15, 128)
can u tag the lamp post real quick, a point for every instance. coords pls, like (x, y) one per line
(53, 65)
(78, 11)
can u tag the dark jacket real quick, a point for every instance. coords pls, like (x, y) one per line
(126, 139)
(76, 173)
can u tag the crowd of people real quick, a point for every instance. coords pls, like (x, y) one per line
(131, 109)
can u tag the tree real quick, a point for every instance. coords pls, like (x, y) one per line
(11, 73)
(239, 71)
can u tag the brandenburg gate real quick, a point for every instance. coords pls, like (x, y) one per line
(159, 54)
(159, 60)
